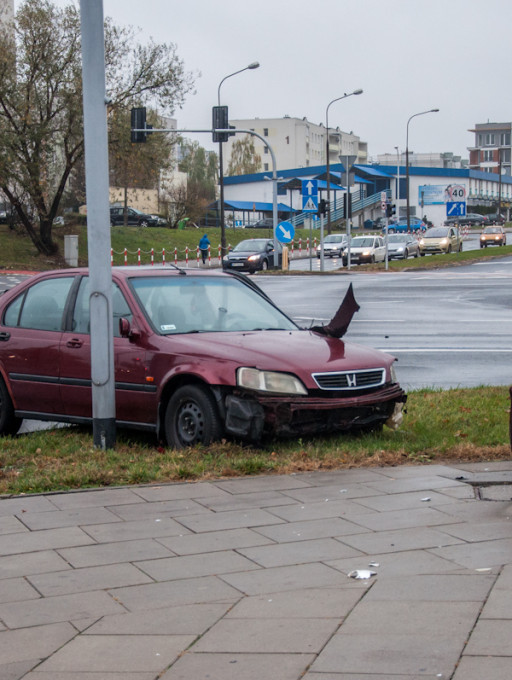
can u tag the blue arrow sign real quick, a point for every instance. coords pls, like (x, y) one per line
(310, 187)
(455, 208)
(285, 231)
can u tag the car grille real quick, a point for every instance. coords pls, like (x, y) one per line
(350, 380)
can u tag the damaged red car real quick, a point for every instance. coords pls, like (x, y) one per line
(199, 355)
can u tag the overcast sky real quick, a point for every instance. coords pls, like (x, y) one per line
(407, 55)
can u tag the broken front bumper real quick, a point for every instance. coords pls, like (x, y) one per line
(254, 415)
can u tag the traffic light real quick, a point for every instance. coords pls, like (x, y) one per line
(322, 207)
(220, 121)
(138, 122)
(390, 209)
(347, 204)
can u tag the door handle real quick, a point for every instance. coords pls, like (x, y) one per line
(4, 335)
(75, 342)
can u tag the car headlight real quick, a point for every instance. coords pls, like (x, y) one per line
(252, 258)
(392, 373)
(366, 253)
(444, 242)
(400, 250)
(269, 381)
(422, 241)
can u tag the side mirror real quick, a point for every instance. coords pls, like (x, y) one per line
(126, 331)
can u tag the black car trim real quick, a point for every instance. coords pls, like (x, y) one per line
(79, 382)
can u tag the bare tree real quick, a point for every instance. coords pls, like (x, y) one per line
(41, 122)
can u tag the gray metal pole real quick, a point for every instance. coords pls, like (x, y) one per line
(98, 224)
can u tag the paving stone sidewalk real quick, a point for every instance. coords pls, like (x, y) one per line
(248, 579)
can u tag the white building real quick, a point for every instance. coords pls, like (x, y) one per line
(297, 143)
(423, 160)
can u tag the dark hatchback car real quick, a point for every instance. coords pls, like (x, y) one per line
(198, 355)
(251, 255)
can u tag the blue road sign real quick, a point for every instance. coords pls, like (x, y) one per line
(455, 208)
(309, 195)
(285, 231)
(309, 187)
(310, 204)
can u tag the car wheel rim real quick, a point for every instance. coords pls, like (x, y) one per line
(190, 423)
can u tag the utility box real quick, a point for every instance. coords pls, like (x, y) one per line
(71, 250)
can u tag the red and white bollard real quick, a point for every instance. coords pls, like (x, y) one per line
(163, 256)
(176, 257)
(152, 257)
(209, 256)
(197, 255)
(186, 256)
(138, 256)
(125, 256)
(112, 257)
(220, 255)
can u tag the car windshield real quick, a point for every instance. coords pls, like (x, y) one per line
(211, 304)
(436, 232)
(253, 246)
(333, 238)
(397, 238)
(492, 230)
(362, 242)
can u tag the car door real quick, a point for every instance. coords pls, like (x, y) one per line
(380, 249)
(135, 397)
(32, 331)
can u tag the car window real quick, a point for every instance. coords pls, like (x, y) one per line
(81, 320)
(213, 304)
(41, 307)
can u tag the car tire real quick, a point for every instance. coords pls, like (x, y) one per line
(264, 266)
(9, 424)
(449, 250)
(143, 223)
(191, 417)
(417, 253)
(372, 260)
(406, 254)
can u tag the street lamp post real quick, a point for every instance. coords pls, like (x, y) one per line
(421, 113)
(397, 198)
(252, 66)
(327, 154)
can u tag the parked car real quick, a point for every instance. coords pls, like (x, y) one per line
(198, 355)
(470, 219)
(134, 217)
(415, 224)
(252, 255)
(493, 236)
(441, 240)
(333, 245)
(265, 223)
(496, 218)
(365, 250)
(402, 246)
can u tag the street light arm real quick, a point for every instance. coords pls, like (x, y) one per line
(252, 66)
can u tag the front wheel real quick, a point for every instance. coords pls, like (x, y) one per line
(143, 223)
(264, 266)
(191, 417)
(9, 424)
